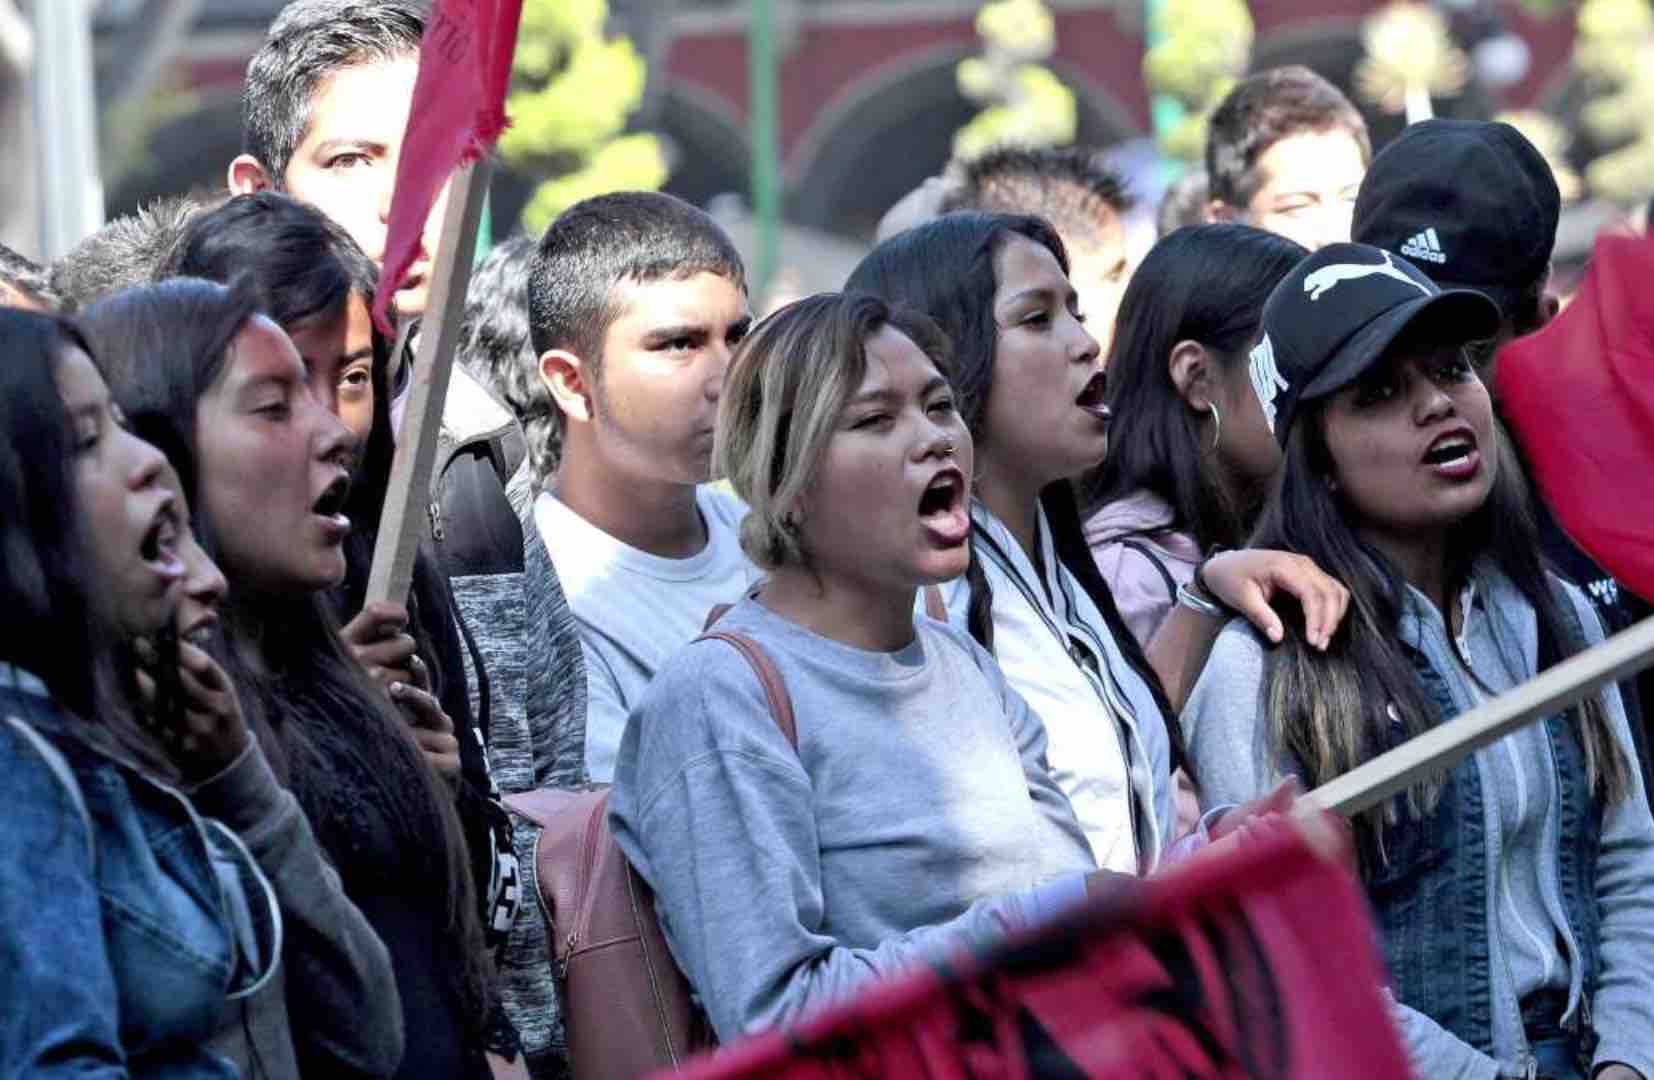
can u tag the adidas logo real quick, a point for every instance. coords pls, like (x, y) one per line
(1425, 246)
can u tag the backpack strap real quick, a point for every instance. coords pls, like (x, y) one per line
(769, 677)
(1155, 561)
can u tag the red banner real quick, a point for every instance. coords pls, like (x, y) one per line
(1261, 963)
(458, 114)
(1580, 396)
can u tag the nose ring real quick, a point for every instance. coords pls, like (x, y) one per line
(948, 448)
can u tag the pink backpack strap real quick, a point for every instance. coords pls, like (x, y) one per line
(769, 676)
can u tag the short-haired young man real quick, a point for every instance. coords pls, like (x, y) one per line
(1082, 198)
(1496, 236)
(636, 301)
(324, 106)
(1285, 151)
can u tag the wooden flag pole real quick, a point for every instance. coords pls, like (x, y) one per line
(402, 522)
(1443, 747)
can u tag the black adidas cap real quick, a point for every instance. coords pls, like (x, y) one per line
(1334, 315)
(1471, 202)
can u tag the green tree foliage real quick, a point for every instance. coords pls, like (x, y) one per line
(1023, 102)
(573, 88)
(1199, 48)
(1614, 53)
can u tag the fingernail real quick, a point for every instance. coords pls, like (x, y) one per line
(397, 689)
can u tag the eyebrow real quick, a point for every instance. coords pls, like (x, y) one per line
(259, 382)
(327, 146)
(887, 394)
(667, 333)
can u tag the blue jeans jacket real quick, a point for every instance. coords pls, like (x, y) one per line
(1430, 897)
(120, 943)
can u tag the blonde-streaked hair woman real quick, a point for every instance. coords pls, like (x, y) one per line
(916, 814)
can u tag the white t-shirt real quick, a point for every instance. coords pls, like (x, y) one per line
(1108, 749)
(635, 609)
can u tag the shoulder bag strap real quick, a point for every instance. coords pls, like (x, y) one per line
(769, 677)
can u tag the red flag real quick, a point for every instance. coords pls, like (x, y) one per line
(457, 115)
(1580, 397)
(1260, 963)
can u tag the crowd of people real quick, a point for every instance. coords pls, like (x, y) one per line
(1074, 570)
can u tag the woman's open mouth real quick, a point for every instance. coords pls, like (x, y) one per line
(942, 508)
(1454, 455)
(330, 506)
(1091, 398)
(158, 549)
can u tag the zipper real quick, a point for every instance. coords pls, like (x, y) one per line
(588, 852)
(1090, 663)
(1479, 693)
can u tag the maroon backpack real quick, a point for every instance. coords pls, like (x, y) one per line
(627, 1009)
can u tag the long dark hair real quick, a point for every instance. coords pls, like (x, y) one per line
(168, 345)
(305, 269)
(51, 627)
(1331, 711)
(945, 268)
(1204, 283)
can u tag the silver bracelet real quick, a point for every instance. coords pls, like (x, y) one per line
(1194, 601)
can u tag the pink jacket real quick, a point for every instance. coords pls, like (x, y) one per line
(1142, 559)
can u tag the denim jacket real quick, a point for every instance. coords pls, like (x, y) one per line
(1430, 895)
(126, 920)
(1461, 1017)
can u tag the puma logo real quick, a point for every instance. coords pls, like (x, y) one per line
(1327, 277)
(1267, 383)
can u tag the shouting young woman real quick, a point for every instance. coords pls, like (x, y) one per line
(129, 922)
(1030, 389)
(1515, 893)
(267, 467)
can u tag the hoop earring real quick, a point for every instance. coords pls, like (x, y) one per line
(1217, 423)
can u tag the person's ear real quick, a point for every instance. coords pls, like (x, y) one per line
(246, 175)
(564, 377)
(1191, 370)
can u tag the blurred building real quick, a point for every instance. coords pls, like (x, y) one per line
(868, 104)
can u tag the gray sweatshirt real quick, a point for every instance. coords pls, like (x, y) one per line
(337, 991)
(916, 818)
(1225, 728)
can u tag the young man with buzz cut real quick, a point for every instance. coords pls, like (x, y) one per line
(1285, 151)
(636, 302)
(1082, 198)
